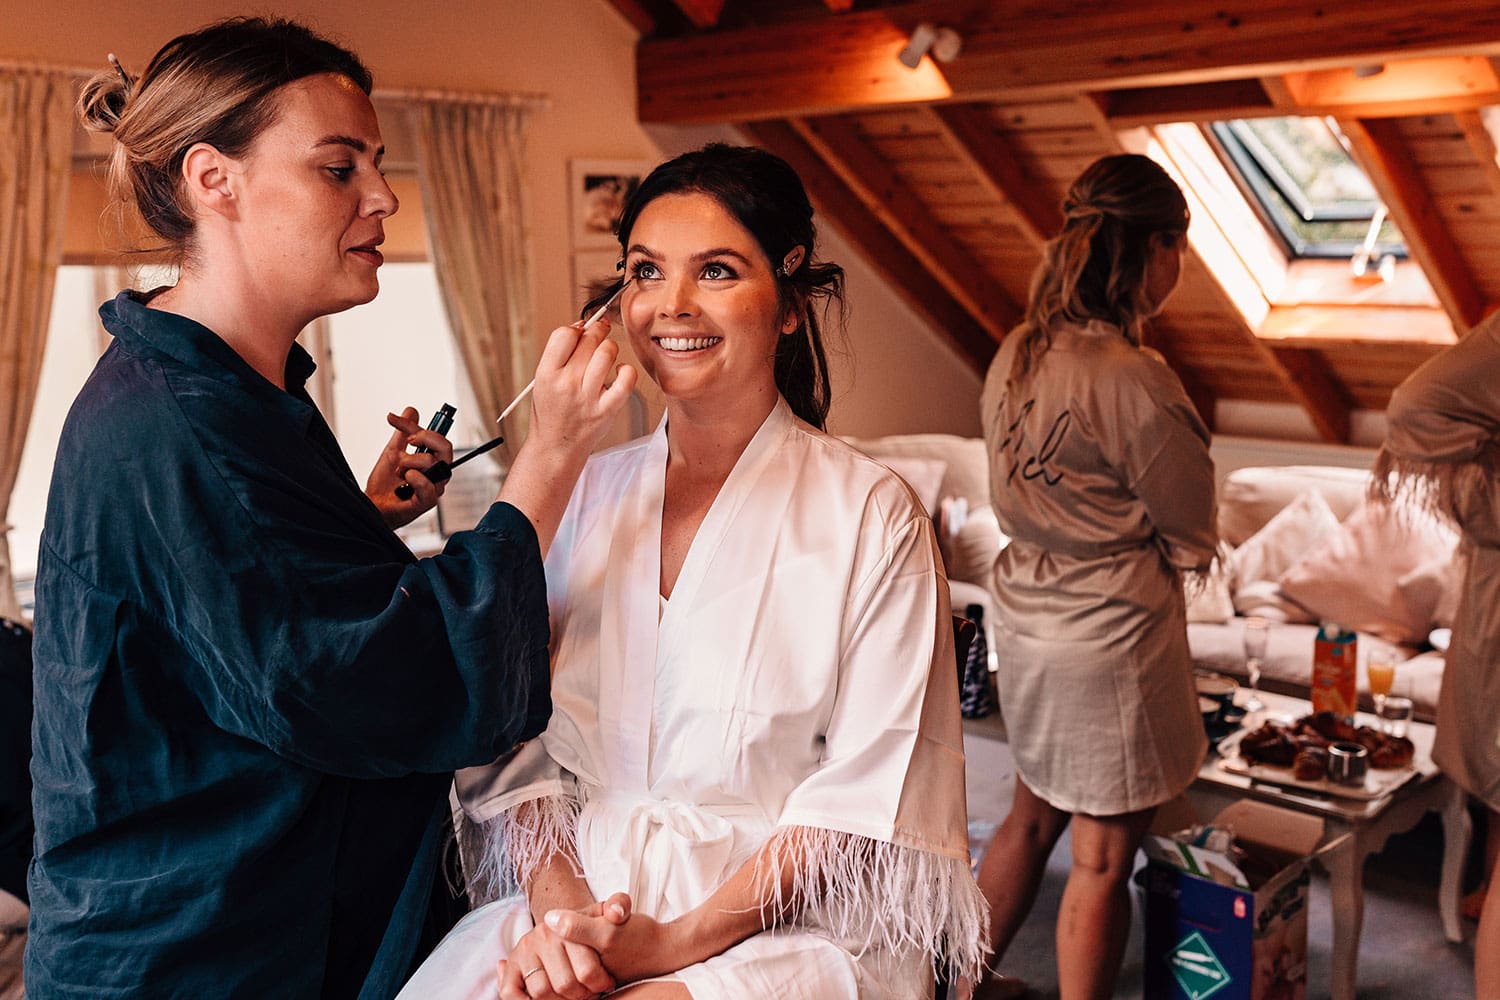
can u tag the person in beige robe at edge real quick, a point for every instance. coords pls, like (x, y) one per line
(1100, 475)
(1443, 446)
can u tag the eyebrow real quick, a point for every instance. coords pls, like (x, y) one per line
(358, 145)
(646, 251)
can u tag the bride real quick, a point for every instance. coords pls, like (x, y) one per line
(752, 783)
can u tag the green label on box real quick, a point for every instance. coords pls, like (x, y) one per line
(1198, 970)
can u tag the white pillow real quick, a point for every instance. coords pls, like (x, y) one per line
(923, 475)
(969, 552)
(1353, 576)
(1433, 588)
(1256, 567)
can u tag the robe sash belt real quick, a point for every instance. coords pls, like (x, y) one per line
(670, 856)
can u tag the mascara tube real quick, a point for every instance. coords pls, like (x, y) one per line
(441, 422)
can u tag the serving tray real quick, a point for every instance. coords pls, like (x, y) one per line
(1379, 782)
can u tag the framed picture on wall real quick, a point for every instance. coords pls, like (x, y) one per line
(597, 190)
(590, 268)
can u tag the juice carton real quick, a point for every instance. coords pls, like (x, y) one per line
(1334, 677)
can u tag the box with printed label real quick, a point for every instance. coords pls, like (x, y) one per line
(1231, 928)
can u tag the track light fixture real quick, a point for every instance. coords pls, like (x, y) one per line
(943, 43)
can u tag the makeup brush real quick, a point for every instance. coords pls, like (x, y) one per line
(442, 471)
(585, 325)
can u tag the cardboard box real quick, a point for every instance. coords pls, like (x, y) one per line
(1217, 929)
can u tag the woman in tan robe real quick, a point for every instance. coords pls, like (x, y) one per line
(1100, 475)
(1443, 444)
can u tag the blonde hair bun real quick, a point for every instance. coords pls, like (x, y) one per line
(102, 102)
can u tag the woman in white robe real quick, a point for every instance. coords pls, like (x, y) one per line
(1443, 445)
(1100, 476)
(752, 782)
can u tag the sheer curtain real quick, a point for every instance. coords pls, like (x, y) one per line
(470, 162)
(36, 137)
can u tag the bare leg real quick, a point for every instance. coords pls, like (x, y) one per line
(1010, 873)
(1487, 940)
(1094, 919)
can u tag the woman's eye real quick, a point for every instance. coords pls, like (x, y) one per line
(644, 270)
(718, 272)
(341, 173)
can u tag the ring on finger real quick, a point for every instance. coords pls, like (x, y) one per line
(528, 975)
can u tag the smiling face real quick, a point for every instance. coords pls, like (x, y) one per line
(703, 311)
(313, 200)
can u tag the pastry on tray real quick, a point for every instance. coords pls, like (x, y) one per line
(1302, 745)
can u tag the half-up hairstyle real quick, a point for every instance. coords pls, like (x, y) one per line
(1096, 267)
(215, 85)
(766, 196)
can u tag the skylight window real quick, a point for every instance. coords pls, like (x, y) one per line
(1312, 195)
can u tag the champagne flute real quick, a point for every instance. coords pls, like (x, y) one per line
(1257, 633)
(1380, 671)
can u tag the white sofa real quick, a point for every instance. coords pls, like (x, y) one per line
(944, 467)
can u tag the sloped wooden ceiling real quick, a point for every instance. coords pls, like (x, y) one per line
(948, 177)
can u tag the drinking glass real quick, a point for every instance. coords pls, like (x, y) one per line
(1380, 671)
(1257, 632)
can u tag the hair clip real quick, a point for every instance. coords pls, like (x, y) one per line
(115, 62)
(791, 262)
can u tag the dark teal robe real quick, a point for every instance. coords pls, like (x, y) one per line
(249, 693)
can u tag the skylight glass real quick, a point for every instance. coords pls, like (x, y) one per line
(1306, 186)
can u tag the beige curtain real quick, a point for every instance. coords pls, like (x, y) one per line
(36, 139)
(470, 157)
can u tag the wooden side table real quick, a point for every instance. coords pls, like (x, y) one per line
(1355, 829)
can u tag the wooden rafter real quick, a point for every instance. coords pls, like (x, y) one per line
(1481, 129)
(843, 62)
(973, 139)
(841, 208)
(839, 143)
(1379, 148)
(639, 17)
(703, 14)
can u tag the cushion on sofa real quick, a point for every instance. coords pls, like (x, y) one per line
(969, 539)
(1249, 497)
(1353, 576)
(967, 473)
(1256, 567)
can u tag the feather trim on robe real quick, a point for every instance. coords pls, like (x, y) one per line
(875, 894)
(502, 854)
(1437, 486)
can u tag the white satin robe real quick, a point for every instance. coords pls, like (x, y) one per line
(802, 675)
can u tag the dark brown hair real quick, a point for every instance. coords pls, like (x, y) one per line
(765, 195)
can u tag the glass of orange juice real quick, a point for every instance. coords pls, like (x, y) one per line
(1380, 671)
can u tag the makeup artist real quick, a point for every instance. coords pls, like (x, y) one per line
(249, 693)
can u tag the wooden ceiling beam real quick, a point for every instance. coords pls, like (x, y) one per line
(972, 136)
(840, 144)
(1379, 148)
(1482, 132)
(1324, 398)
(635, 12)
(703, 14)
(835, 63)
(841, 208)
